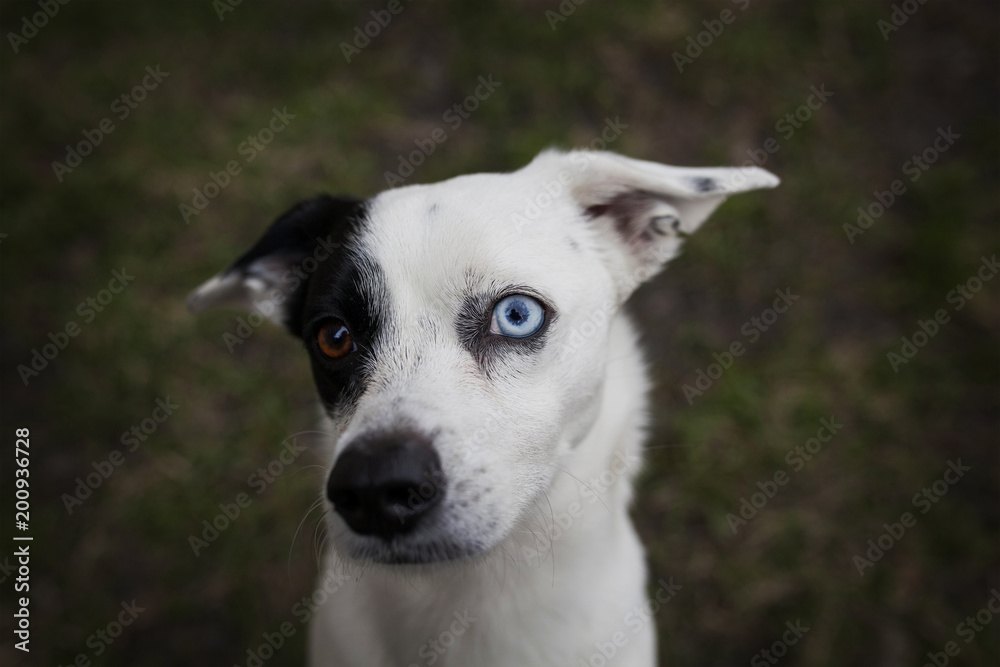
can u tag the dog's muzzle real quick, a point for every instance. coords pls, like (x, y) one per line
(387, 483)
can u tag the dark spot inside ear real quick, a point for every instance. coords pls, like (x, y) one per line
(662, 224)
(629, 211)
(596, 211)
(625, 209)
(703, 184)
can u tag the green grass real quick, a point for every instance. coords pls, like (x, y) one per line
(825, 356)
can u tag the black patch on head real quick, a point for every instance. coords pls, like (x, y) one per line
(298, 228)
(704, 184)
(310, 234)
(473, 328)
(347, 289)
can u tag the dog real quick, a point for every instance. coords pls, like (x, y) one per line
(487, 399)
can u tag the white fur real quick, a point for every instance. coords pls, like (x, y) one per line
(553, 567)
(563, 416)
(544, 595)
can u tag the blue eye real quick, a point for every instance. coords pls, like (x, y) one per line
(517, 316)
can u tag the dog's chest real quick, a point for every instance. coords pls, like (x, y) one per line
(483, 628)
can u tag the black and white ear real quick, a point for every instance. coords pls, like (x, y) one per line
(272, 276)
(651, 208)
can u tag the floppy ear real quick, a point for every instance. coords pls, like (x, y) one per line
(272, 276)
(649, 208)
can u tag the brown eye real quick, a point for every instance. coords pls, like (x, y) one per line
(335, 340)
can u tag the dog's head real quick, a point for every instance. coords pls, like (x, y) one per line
(443, 323)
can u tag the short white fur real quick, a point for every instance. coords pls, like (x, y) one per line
(518, 442)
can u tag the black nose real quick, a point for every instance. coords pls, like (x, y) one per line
(384, 485)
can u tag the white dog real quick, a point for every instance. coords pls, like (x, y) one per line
(469, 347)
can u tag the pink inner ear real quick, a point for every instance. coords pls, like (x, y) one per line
(629, 210)
(596, 210)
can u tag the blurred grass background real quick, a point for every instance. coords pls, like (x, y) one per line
(825, 357)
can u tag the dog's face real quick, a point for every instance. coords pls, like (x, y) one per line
(458, 332)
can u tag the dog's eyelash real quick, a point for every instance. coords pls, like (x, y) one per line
(472, 324)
